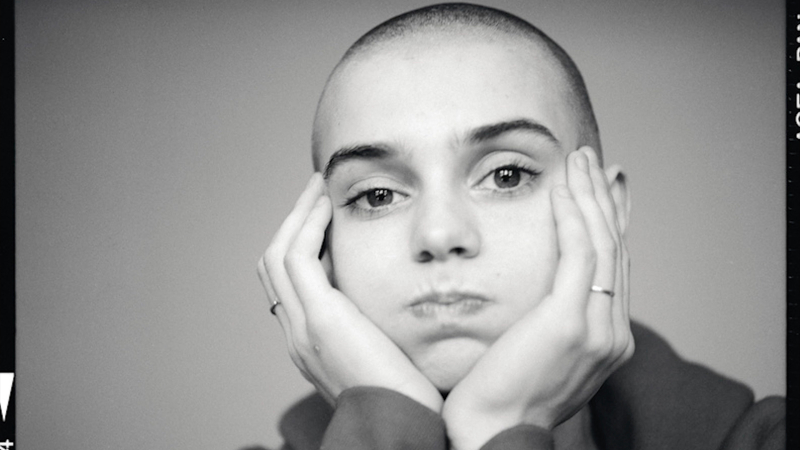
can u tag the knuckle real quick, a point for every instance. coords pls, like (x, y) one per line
(302, 346)
(261, 269)
(273, 258)
(572, 333)
(293, 354)
(297, 359)
(617, 243)
(584, 248)
(306, 374)
(589, 256)
(292, 259)
(304, 354)
(298, 363)
(619, 346)
(630, 349)
(319, 324)
(623, 249)
(600, 345)
(609, 247)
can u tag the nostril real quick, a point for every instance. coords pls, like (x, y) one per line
(425, 256)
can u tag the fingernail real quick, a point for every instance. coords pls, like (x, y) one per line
(591, 155)
(582, 161)
(312, 180)
(317, 182)
(562, 191)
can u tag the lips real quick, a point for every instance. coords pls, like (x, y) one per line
(448, 304)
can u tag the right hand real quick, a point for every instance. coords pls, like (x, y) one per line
(550, 363)
(333, 344)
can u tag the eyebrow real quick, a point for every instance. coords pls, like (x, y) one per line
(489, 132)
(356, 152)
(476, 136)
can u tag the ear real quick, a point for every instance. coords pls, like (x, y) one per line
(619, 192)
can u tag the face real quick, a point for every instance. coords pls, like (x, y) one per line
(442, 159)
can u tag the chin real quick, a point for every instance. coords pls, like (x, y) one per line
(446, 362)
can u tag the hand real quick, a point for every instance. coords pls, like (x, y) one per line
(333, 344)
(550, 363)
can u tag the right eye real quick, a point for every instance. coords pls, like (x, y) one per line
(375, 200)
(379, 197)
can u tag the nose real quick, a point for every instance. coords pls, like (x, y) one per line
(445, 228)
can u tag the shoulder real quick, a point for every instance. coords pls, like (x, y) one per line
(658, 398)
(659, 373)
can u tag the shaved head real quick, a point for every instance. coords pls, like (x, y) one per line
(445, 22)
(441, 135)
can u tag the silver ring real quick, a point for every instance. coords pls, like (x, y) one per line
(274, 305)
(600, 290)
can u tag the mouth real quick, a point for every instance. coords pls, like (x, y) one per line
(448, 304)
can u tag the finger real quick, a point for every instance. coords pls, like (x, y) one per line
(275, 255)
(302, 206)
(303, 265)
(577, 254)
(276, 306)
(272, 297)
(602, 192)
(580, 184)
(283, 319)
(600, 330)
(624, 283)
(287, 297)
(623, 346)
(605, 202)
(281, 316)
(628, 344)
(622, 339)
(599, 309)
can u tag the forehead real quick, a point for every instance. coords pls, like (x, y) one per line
(426, 92)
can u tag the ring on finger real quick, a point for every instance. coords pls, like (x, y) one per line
(275, 304)
(600, 290)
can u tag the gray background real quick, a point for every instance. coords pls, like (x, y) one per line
(160, 144)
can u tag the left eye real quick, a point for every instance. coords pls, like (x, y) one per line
(379, 197)
(506, 178)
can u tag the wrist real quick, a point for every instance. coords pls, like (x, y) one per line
(470, 425)
(470, 428)
(427, 396)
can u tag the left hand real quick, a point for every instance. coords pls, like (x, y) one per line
(550, 363)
